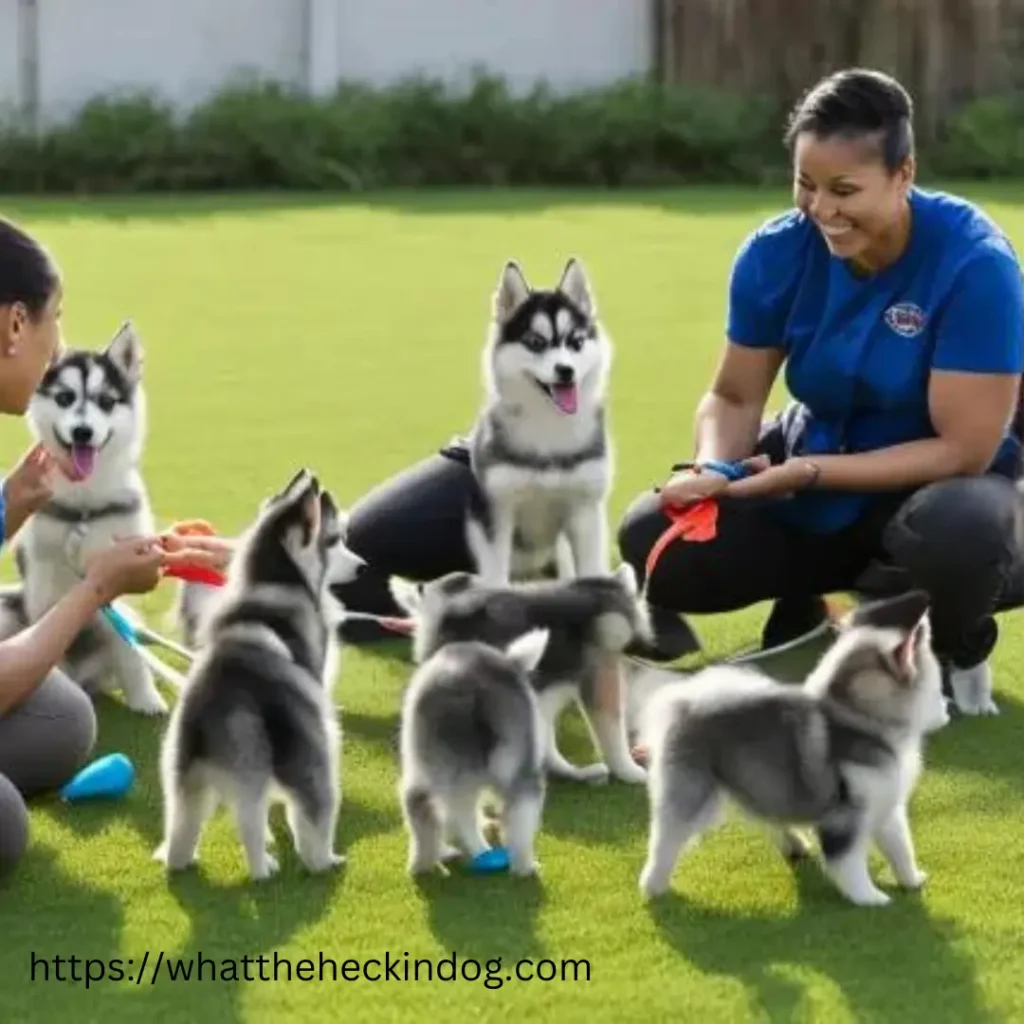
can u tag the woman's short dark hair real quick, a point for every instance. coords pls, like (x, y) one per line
(27, 274)
(856, 103)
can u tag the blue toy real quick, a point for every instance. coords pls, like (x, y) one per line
(489, 862)
(110, 776)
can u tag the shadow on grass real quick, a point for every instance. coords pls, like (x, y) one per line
(697, 201)
(894, 963)
(487, 916)
(988, 746)
(691, 201)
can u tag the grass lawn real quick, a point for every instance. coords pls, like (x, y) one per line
(346, 336)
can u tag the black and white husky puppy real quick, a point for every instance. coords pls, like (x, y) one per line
(590, 621)
(840, 754)
(91, 406)
(256, 719)
(540, 450)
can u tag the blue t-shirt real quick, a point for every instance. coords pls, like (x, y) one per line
(859, 348)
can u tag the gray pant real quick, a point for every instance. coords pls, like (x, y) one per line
(44, 740)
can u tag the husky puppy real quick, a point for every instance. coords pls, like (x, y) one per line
(591, 620)
(255, 719)
(91, 406)
(470, 722)
(841, 753)
(540, 449)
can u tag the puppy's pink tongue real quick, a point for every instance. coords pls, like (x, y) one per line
(83, 456)
(565, 396)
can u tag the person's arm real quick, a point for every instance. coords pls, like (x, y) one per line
(728, 419)
(972, 396)
(27, 657)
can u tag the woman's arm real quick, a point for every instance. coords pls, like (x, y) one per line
(972, 397)
(729, 415)
(27, 657)
(130, 566)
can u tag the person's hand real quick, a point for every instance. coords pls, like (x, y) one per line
(29, 486)
(780, 481)
(689, 485)
(130, 566)
(196, 550)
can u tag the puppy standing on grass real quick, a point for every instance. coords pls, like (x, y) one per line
(256, 718)
(471, 722)
(591, 621)
(842, 753)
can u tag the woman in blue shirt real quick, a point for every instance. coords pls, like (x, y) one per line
(898, 315)
(47, 725)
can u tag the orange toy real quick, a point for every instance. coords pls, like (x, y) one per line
(196, 573)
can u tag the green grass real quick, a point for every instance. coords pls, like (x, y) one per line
(346, 336)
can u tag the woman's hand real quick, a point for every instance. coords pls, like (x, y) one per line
(780, 481)
(692, 485)
(196, 550)
(29, 486)
(129, 566)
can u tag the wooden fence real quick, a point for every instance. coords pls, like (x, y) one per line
(944, 51)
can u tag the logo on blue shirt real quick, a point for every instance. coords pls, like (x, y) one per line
(906, 319)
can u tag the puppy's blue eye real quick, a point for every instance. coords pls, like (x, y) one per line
(64, 399)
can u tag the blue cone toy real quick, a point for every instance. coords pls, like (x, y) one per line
(110, 776)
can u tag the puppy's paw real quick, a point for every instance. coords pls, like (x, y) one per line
(268, 870)
(914, 881)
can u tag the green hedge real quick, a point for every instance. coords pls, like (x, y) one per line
(417, 133)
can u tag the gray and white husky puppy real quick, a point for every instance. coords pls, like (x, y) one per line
(540, 450)
(256, 720)
(91, 406)
(841, 753)
(471, 724)
(591, 621)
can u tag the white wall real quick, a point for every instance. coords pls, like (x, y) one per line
(184, 49)
(572, 43)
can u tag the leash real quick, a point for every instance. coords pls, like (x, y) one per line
(696, 522)
(135, 633)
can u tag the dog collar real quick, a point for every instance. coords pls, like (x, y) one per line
(67, 514)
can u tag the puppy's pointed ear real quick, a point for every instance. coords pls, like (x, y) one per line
(904, 612)
(527, 650)
(407, 595)
(575, 286)
(330, 520)
(513, 290)
(125, 352)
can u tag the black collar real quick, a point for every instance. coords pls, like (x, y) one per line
(68, 514)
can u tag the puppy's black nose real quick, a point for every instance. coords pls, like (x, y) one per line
(564, 374)
(82, 435)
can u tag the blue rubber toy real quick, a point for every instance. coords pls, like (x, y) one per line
(109, 776)
(489, 862)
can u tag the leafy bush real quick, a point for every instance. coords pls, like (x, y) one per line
(984, 139)
(260, 135)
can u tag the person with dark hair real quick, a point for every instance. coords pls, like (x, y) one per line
(898, 314)
(47, 724)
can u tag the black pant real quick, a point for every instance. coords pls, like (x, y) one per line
(958, 539)
(411, 525)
